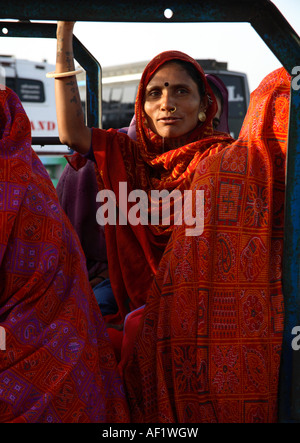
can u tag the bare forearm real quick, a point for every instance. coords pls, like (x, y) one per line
(70, 118)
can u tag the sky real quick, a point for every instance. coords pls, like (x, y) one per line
(238, 44)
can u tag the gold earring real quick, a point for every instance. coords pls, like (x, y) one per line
(202, 116)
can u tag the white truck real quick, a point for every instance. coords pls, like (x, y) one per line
(36, 92)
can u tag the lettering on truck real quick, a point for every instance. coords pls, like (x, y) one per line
(43, 125)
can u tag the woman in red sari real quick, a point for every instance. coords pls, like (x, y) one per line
(56, 362)
(209, 343)
(174, 110)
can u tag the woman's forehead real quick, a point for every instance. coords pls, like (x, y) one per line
(169, 73)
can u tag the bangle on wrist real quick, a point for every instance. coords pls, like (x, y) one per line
(54, 74)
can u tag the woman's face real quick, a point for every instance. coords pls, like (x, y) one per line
(172, 101)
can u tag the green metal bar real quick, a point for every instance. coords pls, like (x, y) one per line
(131, 11)
(278, 34)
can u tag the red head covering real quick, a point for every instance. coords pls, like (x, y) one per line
(208, 99)
(151, 145)
(174, 167)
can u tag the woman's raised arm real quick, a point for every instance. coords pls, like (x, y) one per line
(70, 119)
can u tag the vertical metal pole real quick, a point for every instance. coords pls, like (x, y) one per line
(289, 388)
(93, 84)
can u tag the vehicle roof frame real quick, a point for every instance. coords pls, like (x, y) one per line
(283, 41)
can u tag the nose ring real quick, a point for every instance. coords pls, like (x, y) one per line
(173, 110)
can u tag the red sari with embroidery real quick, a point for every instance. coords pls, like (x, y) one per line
(209, 343)
(56, 362)
(134, 252)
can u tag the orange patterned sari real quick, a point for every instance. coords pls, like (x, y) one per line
(209, 344)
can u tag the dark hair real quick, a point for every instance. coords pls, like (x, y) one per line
(193, 73)
(216, 91)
